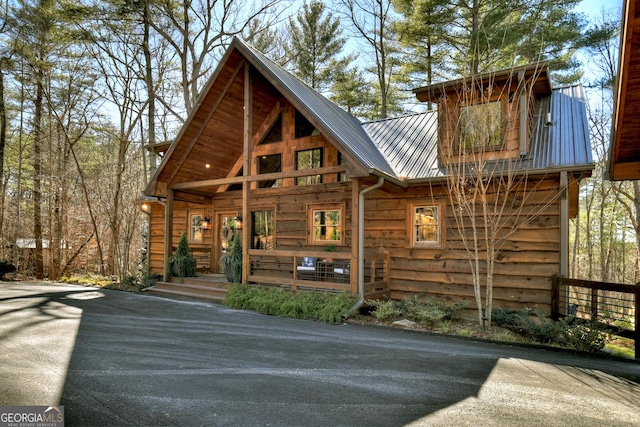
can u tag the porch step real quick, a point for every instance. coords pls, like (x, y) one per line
(203, 287)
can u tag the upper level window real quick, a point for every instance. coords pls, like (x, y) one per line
(480, 126)
(275, 133)
(304, 126)
(326, 223)
(309, 159)
(270, 164)
(425, 225)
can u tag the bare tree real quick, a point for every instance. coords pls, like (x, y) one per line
(198, 29)
(372, 20)
(491, 193)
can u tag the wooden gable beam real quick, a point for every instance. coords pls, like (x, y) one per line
(266, 125)
(203, 126)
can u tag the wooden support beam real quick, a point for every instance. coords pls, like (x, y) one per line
(168, 232)
(254, 178)
(246, 185)
(355, 201)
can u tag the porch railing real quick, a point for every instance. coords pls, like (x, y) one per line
(329, 271)
(615, 305)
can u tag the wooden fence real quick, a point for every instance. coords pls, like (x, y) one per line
(615, 305)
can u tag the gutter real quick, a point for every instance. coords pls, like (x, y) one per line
(360, 301)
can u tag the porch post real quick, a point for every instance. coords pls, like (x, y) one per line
(355, 242)
(246, 185)
(168, 233)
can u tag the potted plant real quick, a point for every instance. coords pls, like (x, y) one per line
(231, 262)
(183, 264)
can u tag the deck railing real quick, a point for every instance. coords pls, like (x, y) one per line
(615, 305)
(317, 270)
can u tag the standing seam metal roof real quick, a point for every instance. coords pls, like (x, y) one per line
(410, 143)
(333, 120)
(406, 147)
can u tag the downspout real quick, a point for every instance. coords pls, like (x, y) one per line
(564, 224)
(360, 301)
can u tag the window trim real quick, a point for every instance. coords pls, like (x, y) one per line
(275, 183)
(411, 224)
(311, 210)
(253, 234)
(460, 145)
(192, 214)
(297, 153)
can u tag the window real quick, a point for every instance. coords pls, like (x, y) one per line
(425, 225)
(309, 159)
(275, 133)
(480, 126)
(263, 230)
(304, 126)
(326, 225)
(270, 164)
(195, 227)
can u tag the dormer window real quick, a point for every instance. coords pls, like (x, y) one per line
(480, 126)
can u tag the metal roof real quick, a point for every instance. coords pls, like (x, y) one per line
(563, 142)
(410, 143)
(331, 120)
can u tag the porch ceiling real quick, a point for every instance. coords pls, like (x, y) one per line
(213, 133)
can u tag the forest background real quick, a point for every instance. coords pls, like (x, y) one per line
(87, 86)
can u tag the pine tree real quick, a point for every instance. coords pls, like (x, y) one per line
(315, 42)
(473, 36)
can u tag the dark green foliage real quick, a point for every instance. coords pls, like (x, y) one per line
(585, 336)
(315, 40)
(150, 280)
(130, 281)
(506, 318)
(578, 334)
(6, 267)
(541, 328)
(423, 310)
(232, 260)
(185, 262)
(323, 306)
(385, 310)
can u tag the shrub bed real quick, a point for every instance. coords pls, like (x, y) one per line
(324, 306)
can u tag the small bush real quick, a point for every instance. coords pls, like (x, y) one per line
(5, 268)
(149, 280)
(385, 310)
(541, 328)
(298, 305)
(569, 332)
(426, 311)
(184, 261)
(506, 318)
(585, 336)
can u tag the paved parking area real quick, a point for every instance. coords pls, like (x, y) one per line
(114, 358)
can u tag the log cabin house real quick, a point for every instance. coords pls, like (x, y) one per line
(624, 152)
(264, 156)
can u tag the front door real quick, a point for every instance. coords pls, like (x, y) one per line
(226, 228)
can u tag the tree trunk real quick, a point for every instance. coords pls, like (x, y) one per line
(37, 170)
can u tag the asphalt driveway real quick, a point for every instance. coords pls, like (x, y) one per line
(115, 358)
